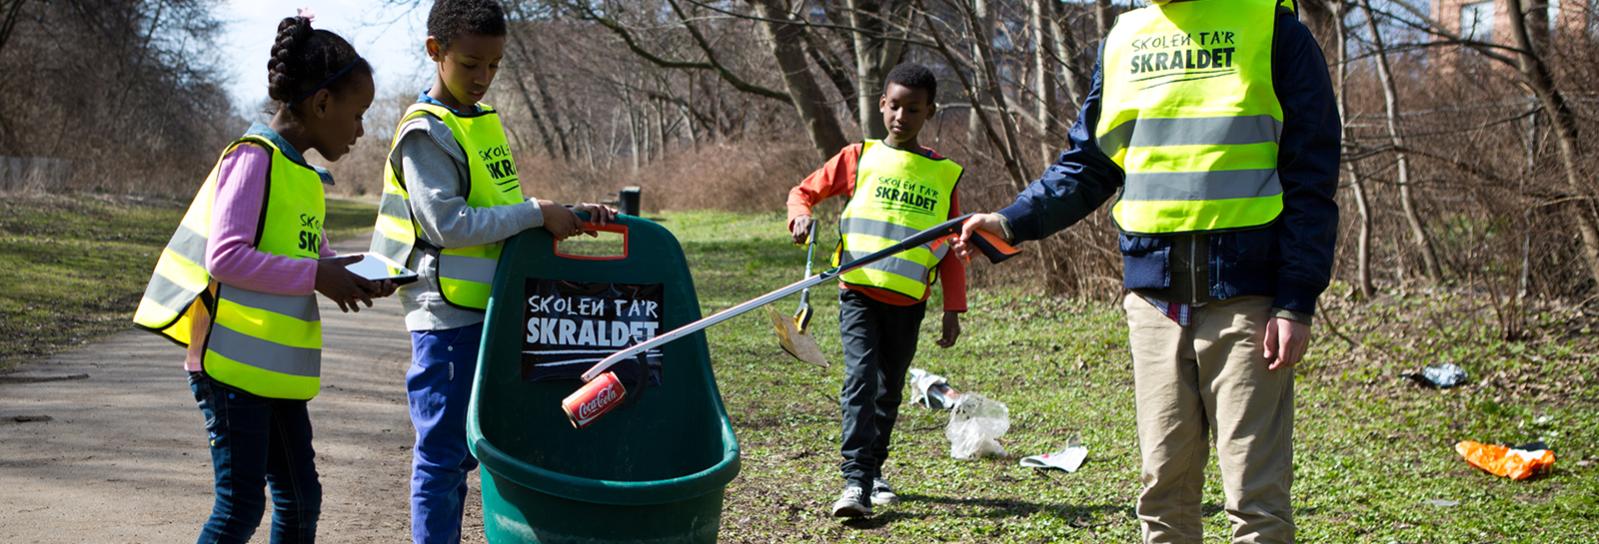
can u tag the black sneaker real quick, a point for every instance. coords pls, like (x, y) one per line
(882, 494)
(852, 503)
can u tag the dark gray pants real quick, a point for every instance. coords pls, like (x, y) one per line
(879, 343)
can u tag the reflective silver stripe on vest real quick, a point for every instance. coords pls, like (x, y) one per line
(394, 205)
(883, 229)
(893, 265)
(189, 244)
(169, 294)
(302, 307)
(1216, 185)
(264, 354)
(473, 269)
(1252, 129)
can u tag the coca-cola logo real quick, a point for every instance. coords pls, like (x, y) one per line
(602, 398)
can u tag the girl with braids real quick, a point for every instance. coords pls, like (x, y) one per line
(236, 286)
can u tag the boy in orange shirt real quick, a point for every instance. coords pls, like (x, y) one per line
(895, 188)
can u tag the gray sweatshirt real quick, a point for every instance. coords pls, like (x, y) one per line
(435, 173)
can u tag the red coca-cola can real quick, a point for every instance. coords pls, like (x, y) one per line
(593, 400)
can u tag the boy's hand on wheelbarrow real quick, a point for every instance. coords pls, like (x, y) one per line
(558, 219)
(599, 214)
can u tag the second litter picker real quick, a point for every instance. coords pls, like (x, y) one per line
(791, 333)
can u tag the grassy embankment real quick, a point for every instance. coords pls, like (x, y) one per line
(75, 266)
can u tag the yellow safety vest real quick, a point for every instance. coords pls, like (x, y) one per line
(266, 344)
(1190, 114)
(465, 273)
(897, 194)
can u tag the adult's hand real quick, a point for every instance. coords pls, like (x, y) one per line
(990, 222)
(1286, 342)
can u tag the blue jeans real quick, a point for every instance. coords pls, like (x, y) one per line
(257, 442)
(438, 387)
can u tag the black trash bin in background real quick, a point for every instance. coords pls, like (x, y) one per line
(628, 199)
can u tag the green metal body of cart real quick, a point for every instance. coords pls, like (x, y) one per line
(655, 469)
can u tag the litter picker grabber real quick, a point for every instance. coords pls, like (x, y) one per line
(992, 247)
(791, 333)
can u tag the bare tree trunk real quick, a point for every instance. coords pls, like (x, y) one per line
(632, 131)
(1103, 17)
(688, 125)
(532, 109)
(1362, 206)
(986, 64)
(12, 11)
(1043, 15)
(875, 54)
(831, 65)
(660, 129)
(1008, 152)
(1418, 232)
(1563, 121)
(785, 36)
(981, 20)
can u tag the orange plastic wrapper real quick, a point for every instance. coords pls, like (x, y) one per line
(1516, 464)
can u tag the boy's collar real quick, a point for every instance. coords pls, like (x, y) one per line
(425, 99)
(919, 148)
(289, 151)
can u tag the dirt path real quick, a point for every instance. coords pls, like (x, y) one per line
(123, 458)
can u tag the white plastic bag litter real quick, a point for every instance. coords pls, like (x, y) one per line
(975, 424)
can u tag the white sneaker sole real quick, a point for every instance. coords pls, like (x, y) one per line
(851, 510)
(879, 500)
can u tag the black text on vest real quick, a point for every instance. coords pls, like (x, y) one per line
(1198, 55)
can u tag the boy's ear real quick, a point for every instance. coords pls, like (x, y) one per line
(882, 101)
(435, 49)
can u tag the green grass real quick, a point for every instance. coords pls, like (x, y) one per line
(1372, 448)
(77, 265)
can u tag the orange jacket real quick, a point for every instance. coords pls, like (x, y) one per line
(837, 177)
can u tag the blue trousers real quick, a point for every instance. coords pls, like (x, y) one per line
(438, 387)
(258, 442)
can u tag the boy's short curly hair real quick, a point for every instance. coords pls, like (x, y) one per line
(451, 19)
(913, 76)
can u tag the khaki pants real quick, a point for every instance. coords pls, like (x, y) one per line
(1207, 379)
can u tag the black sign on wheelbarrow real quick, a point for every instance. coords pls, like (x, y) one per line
(572, 325)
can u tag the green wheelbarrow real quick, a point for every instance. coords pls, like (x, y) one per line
(655, 469)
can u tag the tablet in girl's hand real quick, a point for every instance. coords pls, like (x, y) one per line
(376, 267)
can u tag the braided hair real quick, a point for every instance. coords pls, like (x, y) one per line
(306, 60)
(450, 19)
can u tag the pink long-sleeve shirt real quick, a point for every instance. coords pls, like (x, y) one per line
(230, 253)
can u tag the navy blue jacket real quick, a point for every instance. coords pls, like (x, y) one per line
(1290, 260)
